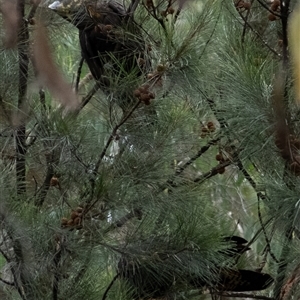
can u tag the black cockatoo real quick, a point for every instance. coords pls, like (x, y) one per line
(155, 273)
(110, 41)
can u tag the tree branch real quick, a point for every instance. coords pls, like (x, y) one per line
(264, 5)
(18, 240)
(214, 171)
(103, 152)
(259, 36)
(89, 96)
(131, 9)
(113, 134)
(180, 169)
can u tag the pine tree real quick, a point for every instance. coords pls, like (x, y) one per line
(168, 172)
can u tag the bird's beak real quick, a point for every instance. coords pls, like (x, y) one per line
(55, 5)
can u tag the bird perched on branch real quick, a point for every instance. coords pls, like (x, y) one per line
(155, 273)
(111, 43)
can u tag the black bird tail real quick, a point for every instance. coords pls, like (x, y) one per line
(243, 280)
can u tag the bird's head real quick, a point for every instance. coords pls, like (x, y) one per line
(85, 13)
(73, 11)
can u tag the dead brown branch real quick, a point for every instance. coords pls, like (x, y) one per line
(48, 73)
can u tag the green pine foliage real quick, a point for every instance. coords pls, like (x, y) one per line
(132, 199)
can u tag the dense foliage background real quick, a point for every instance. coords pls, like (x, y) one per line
(214, 154)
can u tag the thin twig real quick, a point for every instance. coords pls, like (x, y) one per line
(264, 5)
(17, 257)
(261, 196)
(5, 255)
(78, 74)
(21, 150)
(56, 261)
(52, 160)
(15, 276)
(246, 174)
(23, 46)
(214, 171)
(113, 134)
(103, 152)
(260, 37)
(153, 13)
(212, 106)
(180, 6)
(79, 159)
(212, 33)
(33, 9)
(109, 286)
(32, 138)
(201, 151)
(131, 9)
(7, 282)
(245, 25)
(268, 242)
(89, 96)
